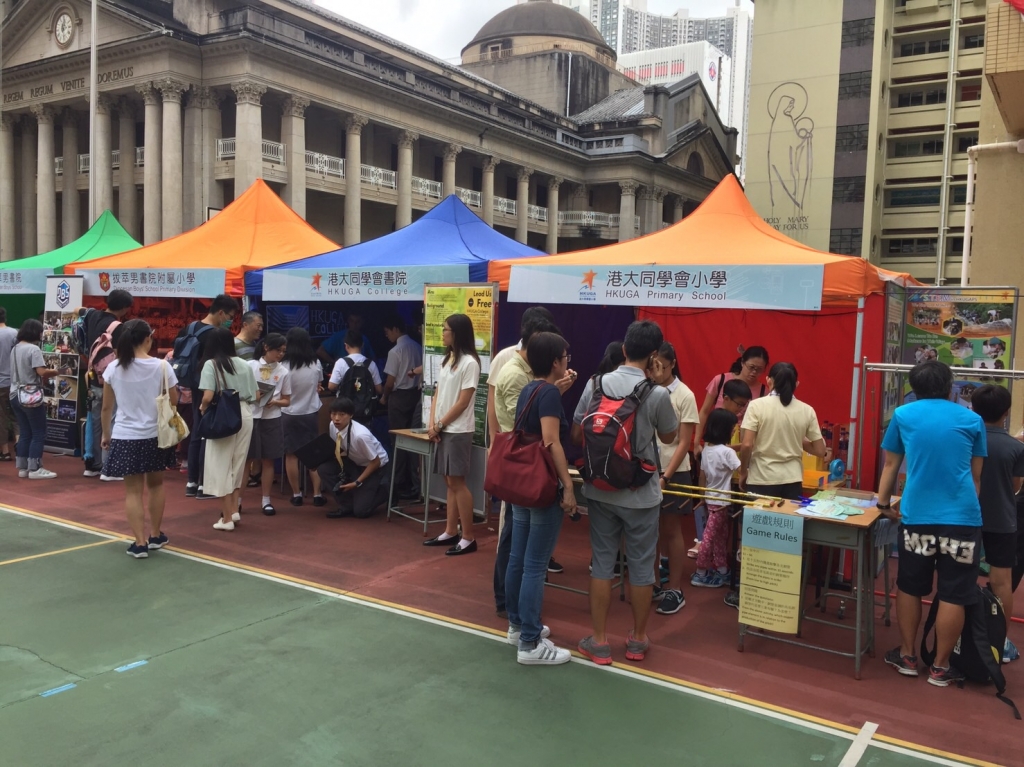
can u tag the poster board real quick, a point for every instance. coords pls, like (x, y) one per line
(479, 303)
(770, 577)
(63, 393)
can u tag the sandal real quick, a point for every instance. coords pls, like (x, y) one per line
(254, 480)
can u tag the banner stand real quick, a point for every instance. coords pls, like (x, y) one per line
(63, 394)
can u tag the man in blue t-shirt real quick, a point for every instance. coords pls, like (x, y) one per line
(945, 446)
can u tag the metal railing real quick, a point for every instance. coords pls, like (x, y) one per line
(325, 165)
(274, 152)
(225, 148)
(83, 163)
(471, 198)
(140, 156)
(115, 158)
(381, 177)
(537, 213)
(505, 206)
(587, 218)
(426, 188)
(58, 166)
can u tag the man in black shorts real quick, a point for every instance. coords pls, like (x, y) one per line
(945, 446)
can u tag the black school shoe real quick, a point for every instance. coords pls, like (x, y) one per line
(269, 510)
(438, 541)
(455, 551)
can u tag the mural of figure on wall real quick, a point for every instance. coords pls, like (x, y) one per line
(790, 145)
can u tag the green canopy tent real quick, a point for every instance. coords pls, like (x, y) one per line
(23, 281)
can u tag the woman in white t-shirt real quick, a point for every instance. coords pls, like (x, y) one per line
(131, 384)
(451, 426)
(300, 420)
(274, 392)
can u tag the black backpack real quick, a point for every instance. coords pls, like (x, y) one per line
(978, 654)
(186, 364)
(358, 386)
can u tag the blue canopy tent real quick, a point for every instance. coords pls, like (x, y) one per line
(449, 234)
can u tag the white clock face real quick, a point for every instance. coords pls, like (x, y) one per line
(64, 29)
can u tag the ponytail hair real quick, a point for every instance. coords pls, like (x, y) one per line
(783, 375)
(132, 334)
(668, 351)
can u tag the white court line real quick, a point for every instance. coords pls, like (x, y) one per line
(860, 745)
(613, 669)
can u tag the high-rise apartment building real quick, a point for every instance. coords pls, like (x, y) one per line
(664, 66)
(861, 115)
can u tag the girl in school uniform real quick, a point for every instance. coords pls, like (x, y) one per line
(267, 443)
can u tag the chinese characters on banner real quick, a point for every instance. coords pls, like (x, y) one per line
(770, 577)
(23, 281)
(399, 283)
(784, 286)
(478, 302)
(166, 283)
(62, 393)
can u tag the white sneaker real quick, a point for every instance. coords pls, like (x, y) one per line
(218, 525)
(40, 473)
(105, 478)
(513, 634)
(90, 473)
(236, 517)
(544, 654)
(22, 473)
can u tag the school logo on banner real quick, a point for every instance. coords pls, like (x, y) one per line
(63, 294)
(105, 282)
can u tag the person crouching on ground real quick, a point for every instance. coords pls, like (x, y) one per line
(131, 383)
(945, 446)
(356, 478)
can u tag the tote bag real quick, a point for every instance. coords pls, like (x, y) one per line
(170, 426)
(520, 469)
(224, 416)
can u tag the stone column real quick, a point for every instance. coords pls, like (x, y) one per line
(151, 185)
(677, 210)
(213, 129)
(71, 206)
(7, 198)
(248, 134)
(644, 206)
(170, 145)
(522, 204)
(657, 210)
(293, 136)
(487, 192)
(580, 197)
(353, 185)
(553, 185)
(127, 194)
(451, 151)
(29, 150)
(406, 142)
(192, 158)
(102, 164)
(46, 181)
(627, 209)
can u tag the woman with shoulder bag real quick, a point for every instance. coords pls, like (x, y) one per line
(132, 383)
(224, 467)
(28, 371)
(535, 531)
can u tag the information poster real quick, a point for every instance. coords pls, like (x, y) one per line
(892, 351)
(963, 327)
(478, 302)
(61, 393)
(770, 577)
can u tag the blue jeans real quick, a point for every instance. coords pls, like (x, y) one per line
(534, 535)
(31, 434)
(501, 560)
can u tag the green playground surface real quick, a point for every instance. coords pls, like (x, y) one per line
(105, 660)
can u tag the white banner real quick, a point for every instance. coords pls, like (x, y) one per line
(167, 283)
(63, 293)
(397, 283)
(24, 281)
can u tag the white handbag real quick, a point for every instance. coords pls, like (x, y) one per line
(170, 426)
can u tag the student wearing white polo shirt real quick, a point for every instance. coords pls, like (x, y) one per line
(402, 393)
(355, 476)
(354, 356)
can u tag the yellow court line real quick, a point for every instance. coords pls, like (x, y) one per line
(57, 551)
(488, 630)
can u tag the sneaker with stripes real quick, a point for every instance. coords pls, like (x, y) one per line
(544, 654)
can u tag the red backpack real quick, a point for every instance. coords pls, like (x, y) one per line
(609, 435)
(101, 353)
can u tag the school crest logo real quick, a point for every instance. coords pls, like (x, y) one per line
(63, 294)
(104, 281)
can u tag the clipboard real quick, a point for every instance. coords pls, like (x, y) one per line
(317, 452)
(266, 391)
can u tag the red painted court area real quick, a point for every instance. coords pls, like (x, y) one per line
(381, 560)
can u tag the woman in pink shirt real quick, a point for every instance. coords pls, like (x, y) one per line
(749, 368)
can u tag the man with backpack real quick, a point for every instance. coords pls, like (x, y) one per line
(357, 378)
(189, 353)
(96, 343)
(617, 421)
(945, 446)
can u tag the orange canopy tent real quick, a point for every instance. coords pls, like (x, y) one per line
(255, 231)
(724, 230)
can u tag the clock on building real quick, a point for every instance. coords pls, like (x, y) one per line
(64, 29)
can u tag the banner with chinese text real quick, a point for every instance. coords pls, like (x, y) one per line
(404, 283)
(62, 392)
(24, 281)
(795, 287)
(478, 302)
(164, 283)
(770, 576)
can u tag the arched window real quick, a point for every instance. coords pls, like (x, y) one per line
(695, 164)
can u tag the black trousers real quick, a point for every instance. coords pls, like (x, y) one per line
(404, 413)
(362, 501)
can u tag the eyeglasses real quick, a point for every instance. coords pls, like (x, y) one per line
(567, 357)
(755, 369)
(447, 330)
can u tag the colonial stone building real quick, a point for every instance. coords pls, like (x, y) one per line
(359, 133)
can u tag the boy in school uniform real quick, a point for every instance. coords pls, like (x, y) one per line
(356, 476)
(1001, 479)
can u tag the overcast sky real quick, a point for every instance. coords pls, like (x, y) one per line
(443, 27)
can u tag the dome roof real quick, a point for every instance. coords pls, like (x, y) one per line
(542, 18)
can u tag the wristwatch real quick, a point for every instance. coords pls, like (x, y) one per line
(359, 483)
(883, 506)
